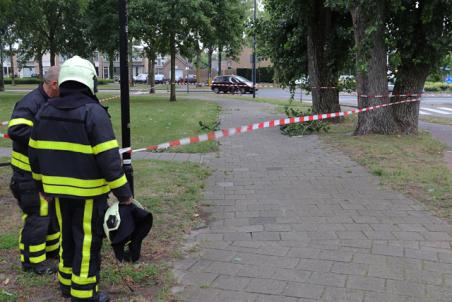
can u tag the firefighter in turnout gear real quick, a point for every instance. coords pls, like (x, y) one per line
(39, 237)
(75, 159)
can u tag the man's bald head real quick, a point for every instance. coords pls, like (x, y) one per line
(51, 81)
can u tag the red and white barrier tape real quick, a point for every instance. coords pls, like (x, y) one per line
(5, 123)
(2, 135)
(215, 135)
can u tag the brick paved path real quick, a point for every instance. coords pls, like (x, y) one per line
(294, 220)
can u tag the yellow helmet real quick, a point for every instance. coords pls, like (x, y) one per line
(79, 70)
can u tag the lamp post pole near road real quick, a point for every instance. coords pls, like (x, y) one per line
(125, 98)
(254, 53)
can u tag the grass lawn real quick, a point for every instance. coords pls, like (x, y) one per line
(413, 165)
(154, 119)
(170, 190)
(436, 120)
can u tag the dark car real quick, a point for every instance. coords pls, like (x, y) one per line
(232, 84)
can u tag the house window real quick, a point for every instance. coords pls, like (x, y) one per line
(106, 73)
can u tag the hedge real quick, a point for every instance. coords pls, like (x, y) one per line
(20, 81)
(438, 87)
(263, 74)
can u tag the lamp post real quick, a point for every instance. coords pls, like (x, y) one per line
(125, 98)
(254, 53)
(187, 69)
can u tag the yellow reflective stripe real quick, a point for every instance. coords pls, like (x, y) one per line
(20, 157)
(63, 280)
(21, 245)
(70, 181)
(43, 207)
(118, 182)
(87, 238)
(81, 192)
(105, 146)
(84, 281)
(53, 236)
(38, 259)
(63, 269)
(61, 146)
(18, 164)
(60, 224)
(53, 247)
(22, 258)
(82, 294)
(20, 121)
(36, 176)
(37, 248)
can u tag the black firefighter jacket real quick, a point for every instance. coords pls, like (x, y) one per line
(73, 150)
(20, 125)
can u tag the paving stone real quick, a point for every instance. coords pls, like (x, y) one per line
(315, 265)
(366, 283)
(291, 275)
(330, 279)
(273, 298)
(266, 286)
(334, 294)
(349, 268)
(406, 288)
(199, 279)
(302, 290)
(231, 283)
(382, 249)
(232, 296)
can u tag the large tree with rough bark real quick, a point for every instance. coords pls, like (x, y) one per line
(306, 37)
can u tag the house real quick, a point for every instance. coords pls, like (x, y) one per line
(244, 60)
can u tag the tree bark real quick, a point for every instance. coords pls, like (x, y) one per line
(41, 67)
(209, 68)
(11, 57)
(173, 67)
(151, 71)
(410, 80)
(111, 68)
(371, 70)
(198, 66)
(325, 97)
(52, 57)
(220, 49)
(131, 63)
(2, 80)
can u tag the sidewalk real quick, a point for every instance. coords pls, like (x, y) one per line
(294, 220)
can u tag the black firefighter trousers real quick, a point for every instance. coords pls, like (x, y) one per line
(81, 226)
(39, 237)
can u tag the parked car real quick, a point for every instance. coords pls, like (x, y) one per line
(192, 78)
(232, 84)
(141, 78)
(160, 79)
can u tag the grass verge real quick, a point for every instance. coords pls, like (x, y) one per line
(436, 120)
(154, 119)
(170, 190)
(413, 165)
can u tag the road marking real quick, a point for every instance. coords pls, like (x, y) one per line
(424, 113)
(445, 108)
(435, 110)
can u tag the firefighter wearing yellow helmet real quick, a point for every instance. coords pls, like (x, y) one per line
(75, 159)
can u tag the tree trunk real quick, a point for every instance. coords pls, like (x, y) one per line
(52, 57)
(372, 81)
(41, 67)
(173, 67)
(131, 63)
(410, 80)
(151, 70)
(220, 49)
(209, 68)
(322, 78)
(198, 66)
(111, 68)
(11, 57)
(2, 80)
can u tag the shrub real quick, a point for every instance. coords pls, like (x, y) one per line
(104, 81)
(437, 87)
(305, 128)
(20, 81)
